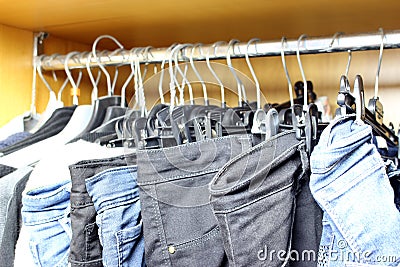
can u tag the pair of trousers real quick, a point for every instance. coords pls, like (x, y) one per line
(179, 226)
(361, 224)
(85, 248)
(264, 207)
(118, 216)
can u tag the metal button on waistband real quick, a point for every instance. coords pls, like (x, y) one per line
(171, 249)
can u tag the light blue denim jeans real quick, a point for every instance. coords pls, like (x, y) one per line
(45, 214)
(116, 199)
(361, 225)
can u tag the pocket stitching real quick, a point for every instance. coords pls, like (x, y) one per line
(200, 240)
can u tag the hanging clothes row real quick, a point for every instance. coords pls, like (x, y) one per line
(187, 182)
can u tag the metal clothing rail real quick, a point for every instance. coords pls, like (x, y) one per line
(308, 45)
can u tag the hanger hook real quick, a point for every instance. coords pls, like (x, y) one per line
(69, 75)
(215, 46)
(125, 85)
(91, 77)
(283, 41)
(109, 87)
(39, 70)
(335, 37)
(348, 62)
(303, 36)
(258, 89)
(133, 55)
(196, 72)
(67, 70)
(231, 44)
(160, 83)
(173, 81)
(379, 62)
(139, 80)
(183, 74)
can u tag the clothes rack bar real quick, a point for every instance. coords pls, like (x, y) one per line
(309, 45)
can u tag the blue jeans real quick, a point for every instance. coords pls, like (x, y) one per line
(179, 226)
(361, 224)
(45, 214)
(118, 216)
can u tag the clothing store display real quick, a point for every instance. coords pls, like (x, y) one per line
(12, 225)
(53, 126)
(85, 247)
(361, 223)
(14, 138)
(179, 226)
(229, 174)
(118, 216)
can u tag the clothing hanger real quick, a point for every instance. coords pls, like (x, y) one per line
(101, 104)
(196, 72)
(239, 83)
(75, 90)
(354, 104)
(305, 122)
(237, 120)
(264, 124)
(52, 104)
(33, 153)
(94, 82)
(221, 85)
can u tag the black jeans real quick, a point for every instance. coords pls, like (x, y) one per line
(254, 200)
(179, 226)
(85, 248)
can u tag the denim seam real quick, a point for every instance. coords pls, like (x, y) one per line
(318, 170)
(53, 193)
(64, 258)
(81, 204)
(31, 222)
(354, 137)
(116, 204)
(87, 234)
(230, 242)
(160, 228)
(200, 240)
(177, 177)
(274, 163)
(119, 249)
(196, 144)
(255, 200)
(375, 166)
(123, 240)
(83, 263)
(331, 212)
(99, 176)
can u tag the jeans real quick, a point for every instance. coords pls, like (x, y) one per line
(85, 249)
(118, 216)
(45, 214)
(254, 200)
(179, 226)
(361, 224)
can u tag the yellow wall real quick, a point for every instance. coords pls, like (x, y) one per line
(15, 72)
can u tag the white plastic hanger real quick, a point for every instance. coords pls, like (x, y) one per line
(52, 104)
(33, 153)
